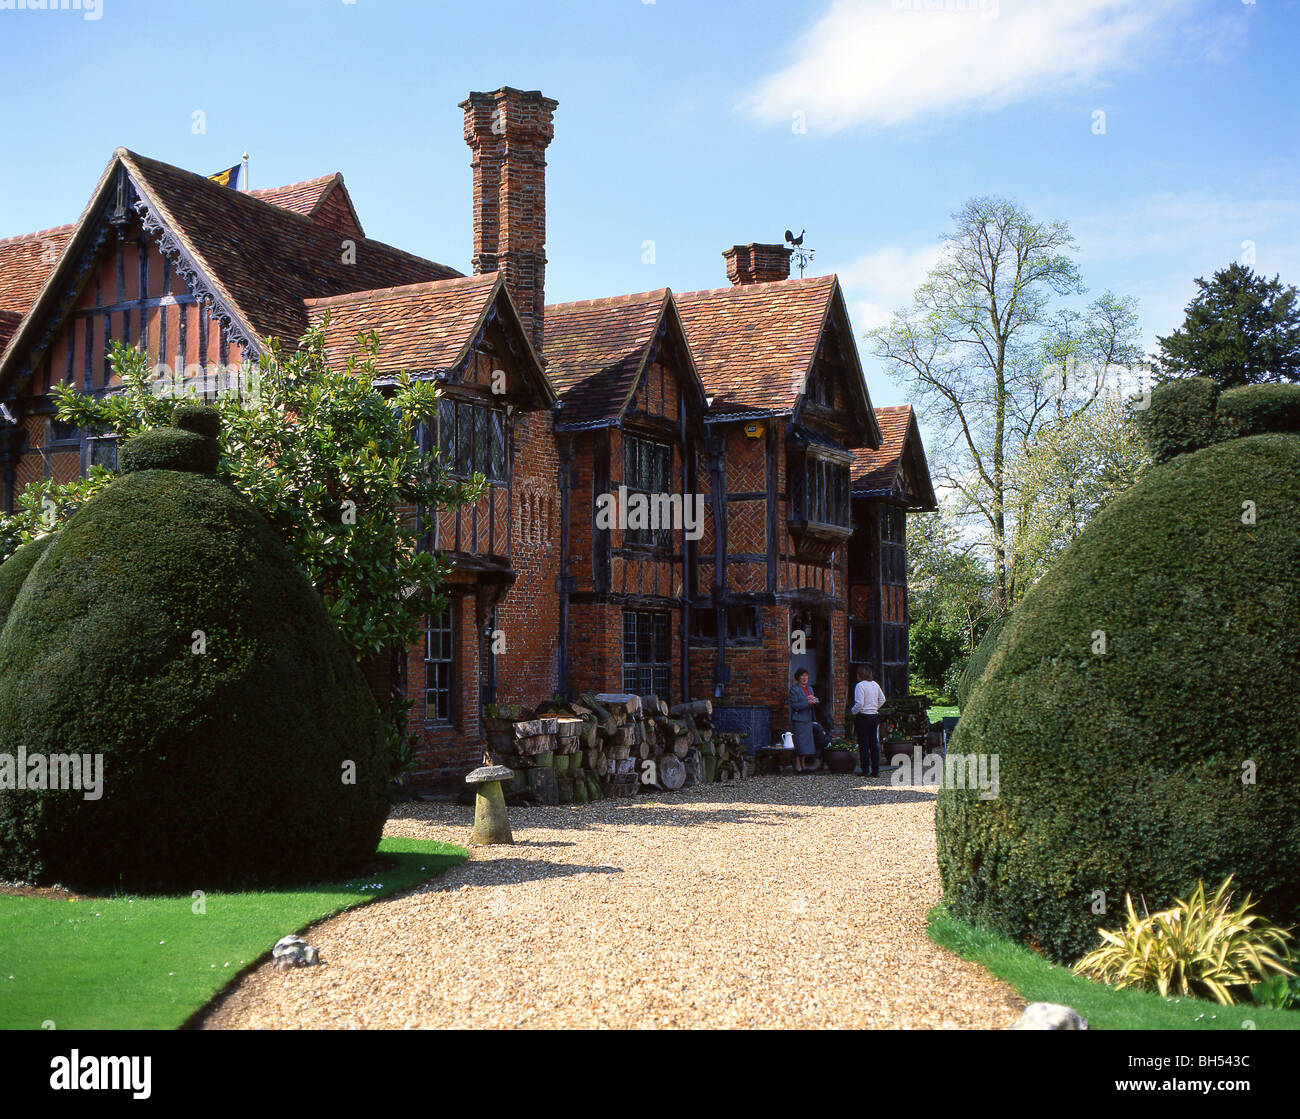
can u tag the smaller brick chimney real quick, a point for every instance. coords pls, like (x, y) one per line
(757, 264)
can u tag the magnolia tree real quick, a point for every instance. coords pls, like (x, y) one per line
(1064, 475)
(337, 467)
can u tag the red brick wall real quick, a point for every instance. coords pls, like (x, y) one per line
(527, 623)
(529, 614)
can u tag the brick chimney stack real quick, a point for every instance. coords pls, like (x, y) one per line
(508, 131)
(757, 264)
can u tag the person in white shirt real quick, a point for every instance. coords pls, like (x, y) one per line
(867, 700)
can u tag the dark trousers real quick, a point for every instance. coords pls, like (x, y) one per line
(868, 728)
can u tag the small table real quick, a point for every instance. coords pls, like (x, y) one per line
(772, 759)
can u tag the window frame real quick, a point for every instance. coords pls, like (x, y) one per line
(476, 438)
(893, 545)
(818, 488)
(75, 437)
(704, 625)
(642, 675)
(442, 683)
(90, 444)
(636, 472)
(894, 669)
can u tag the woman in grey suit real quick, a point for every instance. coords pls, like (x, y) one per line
(802, 702)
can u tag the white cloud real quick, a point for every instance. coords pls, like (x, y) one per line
(882, 63)
(878, 283)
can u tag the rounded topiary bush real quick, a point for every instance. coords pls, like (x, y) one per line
(1181, 417)
(978, 661)
(200, 418)
(169, 448)
(14, 572)
(168, 629)
(1142, 706)
(1252, 409)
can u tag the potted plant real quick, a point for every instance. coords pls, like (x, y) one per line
(894, 740)
(897, 745)
(839, 755)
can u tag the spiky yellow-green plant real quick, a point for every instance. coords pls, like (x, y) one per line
(1200, 947)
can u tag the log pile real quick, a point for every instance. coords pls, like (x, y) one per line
(609, 745)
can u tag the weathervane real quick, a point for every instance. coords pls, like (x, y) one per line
(803, 257)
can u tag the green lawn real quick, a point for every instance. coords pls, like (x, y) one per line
(935, 714)
(1039, 980)
(151, 962)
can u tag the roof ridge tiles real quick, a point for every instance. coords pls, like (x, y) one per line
(15, 238)
(486, 279)
(305, 219)
(294, 186)
(656, 294)
(743, 289)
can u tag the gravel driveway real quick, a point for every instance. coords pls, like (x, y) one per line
(779, 902)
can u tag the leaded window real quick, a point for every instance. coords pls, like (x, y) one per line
(646, 651)
(472, 439)
(647, 469)
(893, 545)
(100, 451)
(818, 489)
(895, 659)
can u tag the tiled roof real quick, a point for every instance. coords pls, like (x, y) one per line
(421, 327)
(595, 350)
(325, 200)
(877, 471)
(26, 262)
(754, 343)
(301, 198)
(9, 321)
(268, 260)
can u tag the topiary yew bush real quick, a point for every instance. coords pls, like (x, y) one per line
(14, 572)
(168, 629)
(978, 661)
(1142, 699)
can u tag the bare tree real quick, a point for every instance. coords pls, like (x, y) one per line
(977, 346)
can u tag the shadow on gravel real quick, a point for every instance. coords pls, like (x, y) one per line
(496, 872)
(767, 801)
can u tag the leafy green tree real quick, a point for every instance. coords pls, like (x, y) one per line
(1240, 329)
(950, 596)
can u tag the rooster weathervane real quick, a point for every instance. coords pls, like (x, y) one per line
(803, 257)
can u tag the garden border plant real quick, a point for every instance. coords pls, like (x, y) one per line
(1038, 979)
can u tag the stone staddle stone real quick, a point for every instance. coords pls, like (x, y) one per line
(491, 825)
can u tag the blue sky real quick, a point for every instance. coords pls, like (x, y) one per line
(677, 125)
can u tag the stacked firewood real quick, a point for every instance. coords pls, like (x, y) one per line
(610, 745)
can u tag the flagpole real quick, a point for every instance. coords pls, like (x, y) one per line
(245, 186)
